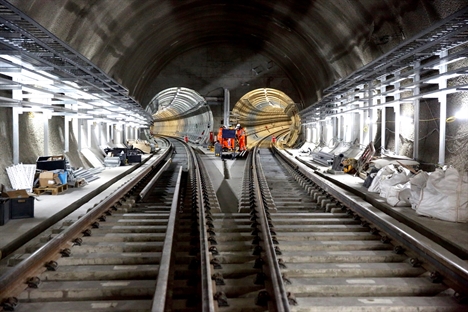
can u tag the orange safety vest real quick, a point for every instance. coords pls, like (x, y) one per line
(220, 136)
(241, 138)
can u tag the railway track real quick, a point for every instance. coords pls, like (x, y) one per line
(333, 259)
(318, 250)
(119, 255)
(298, 243)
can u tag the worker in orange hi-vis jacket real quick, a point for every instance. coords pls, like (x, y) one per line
(224, 142)
(230, 141)
(240, 134)
(220, 136)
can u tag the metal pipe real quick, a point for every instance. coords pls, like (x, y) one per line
(362, 122)
(416, 106)
(397, 128)
(370, 116)
(383, 121)
(15, 136)
(46, 132)
(442, 128)
(443, 111)
(66, 147)
(213, 99)
(89, 126)
(226, 108)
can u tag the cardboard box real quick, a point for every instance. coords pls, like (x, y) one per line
(49, 178)
(15, 194)
(58, 157)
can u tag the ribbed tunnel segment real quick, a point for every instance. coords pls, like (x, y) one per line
(181, 112)
(268, 109)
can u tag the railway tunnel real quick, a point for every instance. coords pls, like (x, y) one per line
(229, 54)
(78, 76)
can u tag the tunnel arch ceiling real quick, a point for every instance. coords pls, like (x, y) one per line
(267, 109)
(313, 42)
(210, 69)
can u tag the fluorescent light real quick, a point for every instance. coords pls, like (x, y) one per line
(439, 93)
(462, 113)
(442, 78)
(406, 119)
(455, 60)
(399, 80)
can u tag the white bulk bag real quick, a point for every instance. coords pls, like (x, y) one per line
(445, 196)
(382, 173)
(418, 183)
(399, 195)
(398, 177)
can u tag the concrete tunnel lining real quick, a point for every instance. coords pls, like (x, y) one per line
(314, 42)
(297, 47)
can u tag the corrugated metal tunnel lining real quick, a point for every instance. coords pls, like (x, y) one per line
(174, 102)
(183, 112)
(267, 109)
(180, 111)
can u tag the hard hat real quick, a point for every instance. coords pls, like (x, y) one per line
(238, 126)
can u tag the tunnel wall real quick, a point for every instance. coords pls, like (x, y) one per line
(31, 141)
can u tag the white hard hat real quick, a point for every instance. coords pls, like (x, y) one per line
(238, 126)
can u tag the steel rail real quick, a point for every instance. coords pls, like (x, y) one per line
(159, 298)
(445, 262)
(151, 183)
(208, 304)
(280, 300)
(15, 280)
(207, 298)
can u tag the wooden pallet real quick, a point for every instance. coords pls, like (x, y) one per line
(54, 190)
(77, 183)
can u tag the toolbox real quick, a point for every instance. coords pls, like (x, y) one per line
(21, 208)
(133, 159)
(4, 210)
(21, 205)
(51, 162)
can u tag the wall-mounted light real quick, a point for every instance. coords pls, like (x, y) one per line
(462, 113)
(404, 119)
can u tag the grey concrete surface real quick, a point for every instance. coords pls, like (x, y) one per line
(69, 205)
